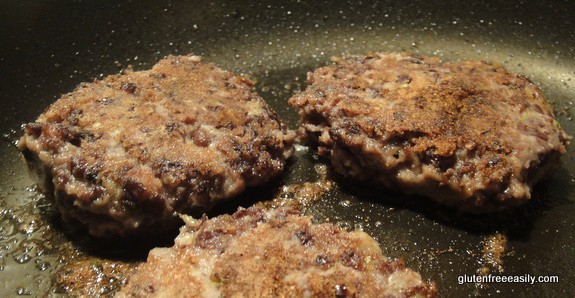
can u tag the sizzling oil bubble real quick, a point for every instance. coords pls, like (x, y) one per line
(23, 292)
(42, 265)
(344, 224)
(22, 258)
(345, 203)
(359, 226)
(26, 240)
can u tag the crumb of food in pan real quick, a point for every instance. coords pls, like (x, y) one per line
(272, 253)
(305, 193)
(125, 154)
(449, 250)
(494, 249)
(302, 195)
(467, 134)
(83, 275)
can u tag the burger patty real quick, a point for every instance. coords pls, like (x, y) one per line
(467, 134)
(125, 154)
(260, 252)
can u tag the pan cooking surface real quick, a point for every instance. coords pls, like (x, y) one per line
(48, 48)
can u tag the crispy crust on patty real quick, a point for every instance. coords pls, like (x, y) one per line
(124, 154)
(467, 134)
(272, 253)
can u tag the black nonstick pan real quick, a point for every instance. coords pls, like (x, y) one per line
(48, 47)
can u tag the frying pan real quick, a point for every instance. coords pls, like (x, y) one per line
(48, 47)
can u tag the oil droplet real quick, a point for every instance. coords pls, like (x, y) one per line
(345, 203)
(22, 259)
(359, 226)
(344, 225)
(23, 292)
(42, 265)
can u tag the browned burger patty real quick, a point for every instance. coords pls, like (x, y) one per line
(125, 153)
(272, 253)
(467, 134)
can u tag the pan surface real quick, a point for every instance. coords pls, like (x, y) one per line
(48, 47)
